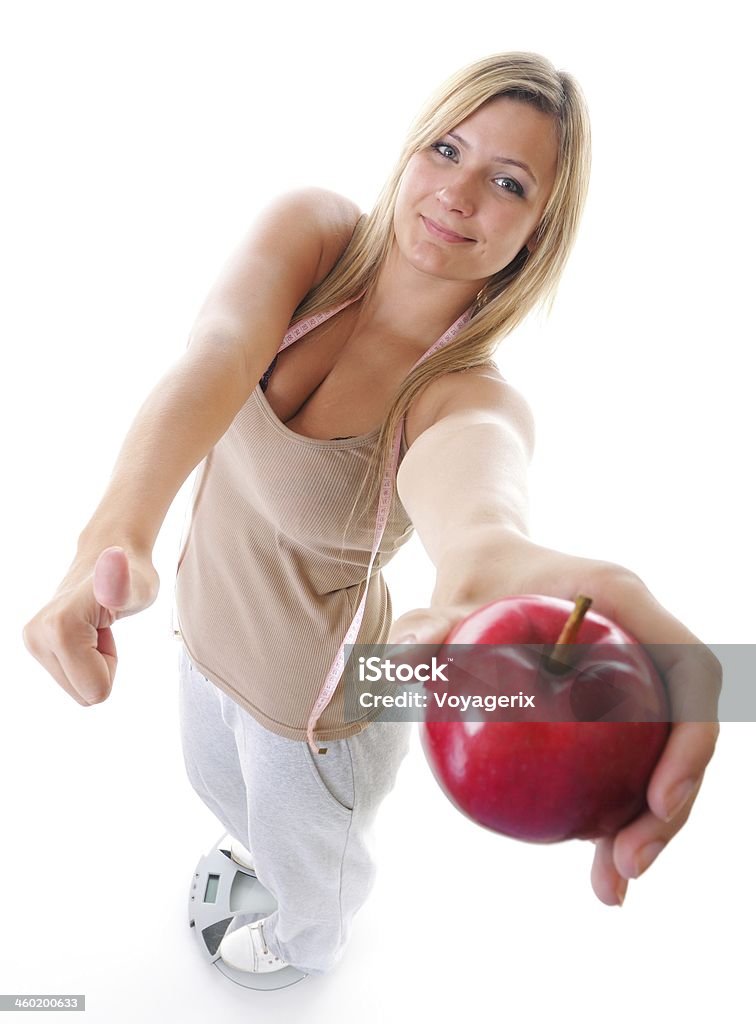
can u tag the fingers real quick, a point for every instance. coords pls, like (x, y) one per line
(53, 666)
(428, 626)
(638, 845)
(416, 636)
(78, 652)
(421, 626)
(680, 768)
(49, 662)
(693, 680)
(607, 883)
(672, 792)
(90, 665)
(633, 850)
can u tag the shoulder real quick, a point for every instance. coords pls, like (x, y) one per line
(475, 395)
(336, 216)
(317, 218)
(328, 206)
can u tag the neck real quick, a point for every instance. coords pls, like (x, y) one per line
(412, 305)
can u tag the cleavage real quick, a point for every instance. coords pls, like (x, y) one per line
(325, 382)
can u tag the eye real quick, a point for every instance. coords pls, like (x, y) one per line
(438, 146)
(516, 186)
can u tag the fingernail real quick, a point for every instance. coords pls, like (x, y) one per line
(678, 796)
(647, 855)
(620, 893)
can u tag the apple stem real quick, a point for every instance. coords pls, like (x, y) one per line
(557, 660)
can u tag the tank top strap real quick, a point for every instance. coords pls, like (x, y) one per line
(301, 327)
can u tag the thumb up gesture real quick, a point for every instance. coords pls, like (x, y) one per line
(72, 637)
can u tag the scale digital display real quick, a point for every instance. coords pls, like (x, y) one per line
(211, 889)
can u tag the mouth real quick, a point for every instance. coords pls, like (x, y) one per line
(438, 231)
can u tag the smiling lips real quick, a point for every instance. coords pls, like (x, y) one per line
(440, 232)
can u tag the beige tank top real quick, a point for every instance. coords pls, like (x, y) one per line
(266, 584)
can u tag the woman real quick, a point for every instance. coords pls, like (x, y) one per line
(396, 318)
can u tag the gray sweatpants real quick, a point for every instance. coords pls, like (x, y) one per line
(306, 819)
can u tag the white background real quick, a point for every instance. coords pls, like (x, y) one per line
(140, 140)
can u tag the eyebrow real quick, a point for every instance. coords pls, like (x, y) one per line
(499, 159)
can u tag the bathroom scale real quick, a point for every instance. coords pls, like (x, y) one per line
(224, 896)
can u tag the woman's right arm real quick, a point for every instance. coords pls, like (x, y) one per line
(291, 247)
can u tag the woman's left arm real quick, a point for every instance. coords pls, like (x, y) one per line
(463, 483)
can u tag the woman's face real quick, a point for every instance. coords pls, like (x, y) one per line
(488, 180)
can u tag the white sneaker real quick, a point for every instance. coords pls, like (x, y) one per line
(241, 855)
(246, 950)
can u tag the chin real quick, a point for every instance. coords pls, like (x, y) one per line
(419, 250)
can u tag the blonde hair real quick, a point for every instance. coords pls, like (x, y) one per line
(514, 291)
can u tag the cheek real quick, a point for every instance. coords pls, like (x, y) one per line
(508, 226)
(416, 181)
(407, 200)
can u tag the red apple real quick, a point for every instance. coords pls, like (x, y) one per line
(554, 771)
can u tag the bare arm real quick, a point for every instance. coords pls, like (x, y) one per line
(291, 247)
(464, 485)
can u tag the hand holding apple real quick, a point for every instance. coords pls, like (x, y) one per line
(575, 761)
(682, 660)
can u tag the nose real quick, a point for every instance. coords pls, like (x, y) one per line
(456, 197)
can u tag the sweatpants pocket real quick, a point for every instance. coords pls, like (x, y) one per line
(334, 779)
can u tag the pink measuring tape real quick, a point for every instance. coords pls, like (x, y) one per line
(337, 668)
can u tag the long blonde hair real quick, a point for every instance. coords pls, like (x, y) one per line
(514, 291)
